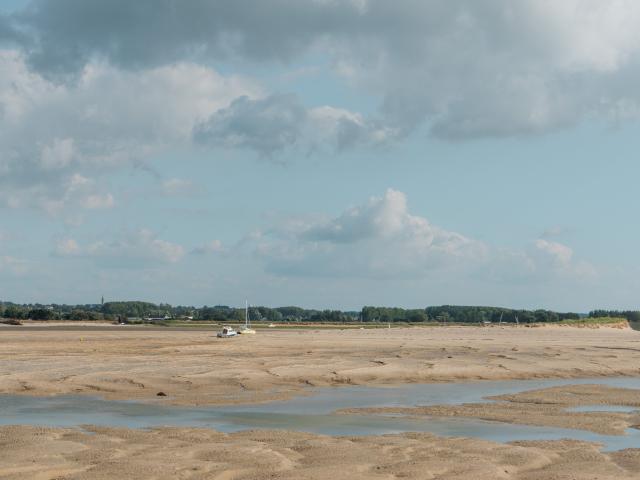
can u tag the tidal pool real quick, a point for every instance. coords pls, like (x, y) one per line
(314, 413)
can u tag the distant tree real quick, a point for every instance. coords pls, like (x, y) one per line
(14, 312)
(42, 314)
(82, 315)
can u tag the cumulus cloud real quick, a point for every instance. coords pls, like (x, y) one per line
(132, 78)
(378, 239)
(71, 197)
(559, 258)
(265, 125)
(464, 68)
(52, 134)
(147, 33)
(382, 239)
(138, 249)
(278, 122)
(560, 255)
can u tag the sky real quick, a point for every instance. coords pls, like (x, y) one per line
(321, 153)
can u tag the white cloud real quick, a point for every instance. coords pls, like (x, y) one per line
(69, 198)
(560, 255)
(275, 123)
(138, 249)
(57, 155)
(142, 246)
(382, 239)
(559, 258)
(463, 68)
(470, 69)
(378, 239)
(51, 134)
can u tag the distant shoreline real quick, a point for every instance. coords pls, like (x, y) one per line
(100, 325)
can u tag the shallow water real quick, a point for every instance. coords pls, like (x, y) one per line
(314, 413)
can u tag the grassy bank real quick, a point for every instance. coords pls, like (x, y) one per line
(596, 321)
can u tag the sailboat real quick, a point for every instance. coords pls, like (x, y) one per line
(247, 330)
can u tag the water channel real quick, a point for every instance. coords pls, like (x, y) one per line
(314, 413)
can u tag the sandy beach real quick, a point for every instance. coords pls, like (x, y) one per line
(103, 453)
(195, 368)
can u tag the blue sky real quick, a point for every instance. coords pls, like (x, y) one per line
(324, 154)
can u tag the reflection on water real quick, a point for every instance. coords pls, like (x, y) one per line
(635, 325)
(314, 413)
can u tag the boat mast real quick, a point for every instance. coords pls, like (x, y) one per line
(246, 314)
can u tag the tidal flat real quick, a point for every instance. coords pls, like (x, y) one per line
(192, 368)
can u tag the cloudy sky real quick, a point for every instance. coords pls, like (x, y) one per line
(324, 153)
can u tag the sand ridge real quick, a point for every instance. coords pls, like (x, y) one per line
(170, 453)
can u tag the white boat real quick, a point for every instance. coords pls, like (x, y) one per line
(247, 330)
(227, 332)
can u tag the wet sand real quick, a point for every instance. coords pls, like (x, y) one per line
(193, 367)
(544, 407)
(103, 453)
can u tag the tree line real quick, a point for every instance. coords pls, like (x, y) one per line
(464, 314)
(135, 310)
(114, 311)
(631, 315)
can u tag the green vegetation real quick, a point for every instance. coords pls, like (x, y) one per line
(630, 315)
(144, 312)
(464, 314)
(594, 321)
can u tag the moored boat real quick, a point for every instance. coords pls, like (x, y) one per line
(227, 332)
(247, 330)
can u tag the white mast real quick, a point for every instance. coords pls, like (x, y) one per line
(247, 321)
